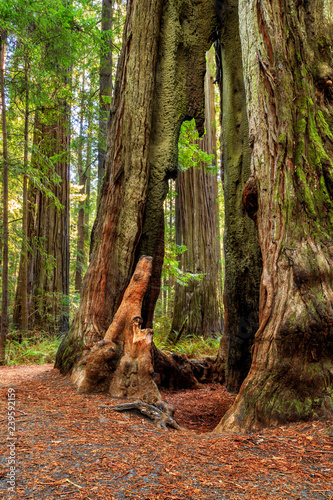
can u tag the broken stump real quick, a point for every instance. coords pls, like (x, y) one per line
(121, 364)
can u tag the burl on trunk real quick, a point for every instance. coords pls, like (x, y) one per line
(121, 363)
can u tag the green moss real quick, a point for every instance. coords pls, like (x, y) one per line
(306, 194)
(323, 125)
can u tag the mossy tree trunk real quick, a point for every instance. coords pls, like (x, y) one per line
(200, 303)
(243, 265)
(160, 83)
(287, 56)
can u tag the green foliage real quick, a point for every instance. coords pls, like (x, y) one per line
(171, 265)
(193, 347)
(190, 153)
(37, 349)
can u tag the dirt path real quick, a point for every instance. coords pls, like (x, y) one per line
(67, 447)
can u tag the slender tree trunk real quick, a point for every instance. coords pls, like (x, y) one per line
(142, 155)
(4, 302)
(33, 194)
(199, 303)
(287, 54)
(80, 224)
(88, 189)
(51, 266)
(24, 324)
(105, 84)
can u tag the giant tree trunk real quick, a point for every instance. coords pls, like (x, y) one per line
(199, 304)
(142, 154)
(243, 265)
(287, 57)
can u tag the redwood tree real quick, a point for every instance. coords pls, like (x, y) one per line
(288, 74)
(4, 292)
(241, 247)
(198, 306)
(160, 82)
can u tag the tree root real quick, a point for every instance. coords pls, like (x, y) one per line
(160, 413)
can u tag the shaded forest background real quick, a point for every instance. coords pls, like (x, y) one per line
(58, 65)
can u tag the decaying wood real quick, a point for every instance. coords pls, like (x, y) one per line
(127, 364)
(160, 412)
(121, 364)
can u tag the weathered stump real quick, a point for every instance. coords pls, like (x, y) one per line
(122, 363)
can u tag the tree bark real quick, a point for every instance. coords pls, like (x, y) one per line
(286, 48)
(105, 85)
(243, 265)
(51, 265)
(4, 297)
(201, 301)
(121, 363)
(24, 284)
(142, 153)
(80, 257)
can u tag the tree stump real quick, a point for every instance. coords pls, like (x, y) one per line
(122, 363)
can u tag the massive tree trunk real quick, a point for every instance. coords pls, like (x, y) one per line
(287, 57)
(243, 265)
(199, 303)
(159, 82)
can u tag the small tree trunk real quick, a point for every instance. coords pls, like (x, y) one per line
(24, 285)
(33, 194)
(4, 301)
(105, 85)
(51, 265)
(80, 223)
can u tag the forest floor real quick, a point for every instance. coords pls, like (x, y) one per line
(68, 447)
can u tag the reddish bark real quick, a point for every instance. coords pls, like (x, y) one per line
(121, 364)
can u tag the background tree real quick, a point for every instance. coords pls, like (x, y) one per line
(197, 306)
(4, 299)
(105, 83)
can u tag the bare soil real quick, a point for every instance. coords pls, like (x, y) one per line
(68, 447)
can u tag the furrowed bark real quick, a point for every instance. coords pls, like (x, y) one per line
(199, 303)
(4, 295)
(243, 264)
(288, 72)
(142, 154)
